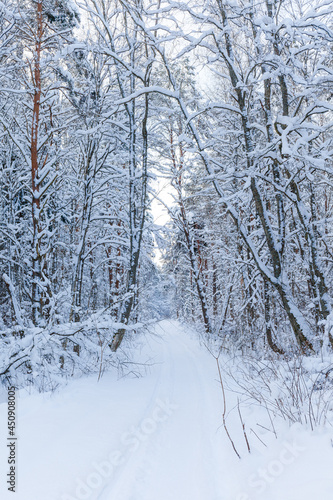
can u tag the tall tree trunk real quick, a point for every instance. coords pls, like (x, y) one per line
(268, 319)
(36, 254)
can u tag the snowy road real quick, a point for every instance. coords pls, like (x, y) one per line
(176, 457)
(157, 437)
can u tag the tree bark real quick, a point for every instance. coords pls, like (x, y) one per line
(36, 254)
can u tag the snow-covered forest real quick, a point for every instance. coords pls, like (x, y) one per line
(229, 101)
(228, 105)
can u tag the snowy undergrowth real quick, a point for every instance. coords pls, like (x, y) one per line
(293, 388)
(46, 357)
(296, 390)
(278, 425)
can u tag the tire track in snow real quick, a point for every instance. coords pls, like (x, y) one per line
(120, 486)
(211, 420)
(208, 420)
(177, 461)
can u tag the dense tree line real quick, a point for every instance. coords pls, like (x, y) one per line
(265, 140)
(231, 101)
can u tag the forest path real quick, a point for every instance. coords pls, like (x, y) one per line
(155, 437)
(176, 456)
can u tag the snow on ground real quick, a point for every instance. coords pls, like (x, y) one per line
(158, 437)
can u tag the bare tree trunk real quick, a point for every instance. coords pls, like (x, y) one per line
(215, 301)
(268, 319)
(36, 254)
(196, 273)
(15, 303)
